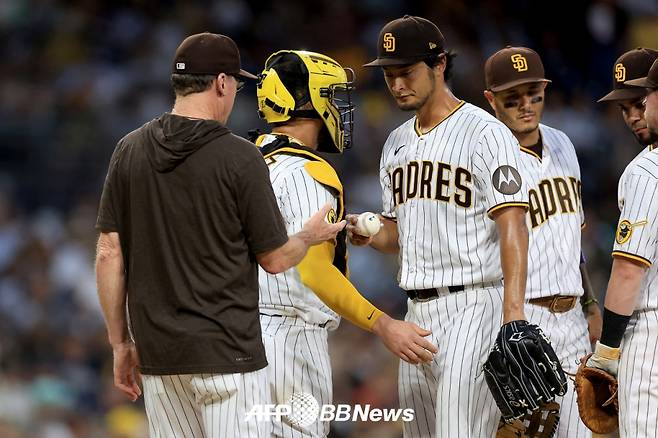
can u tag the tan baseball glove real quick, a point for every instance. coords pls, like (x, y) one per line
(596, 390)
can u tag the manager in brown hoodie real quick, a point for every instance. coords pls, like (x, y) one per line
(187, 213)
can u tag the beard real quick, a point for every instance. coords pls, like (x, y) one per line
(421, 101)
(650, 138)
(527, 130)
(653, 137)
(414, 106)
(644, 141)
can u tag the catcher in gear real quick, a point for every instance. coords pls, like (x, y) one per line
(306, 98)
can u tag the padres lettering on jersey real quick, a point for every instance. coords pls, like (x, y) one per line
(555, 217)
(637, 231)
(428, 180)
(444, 185)
(299, 195)
(552, 196)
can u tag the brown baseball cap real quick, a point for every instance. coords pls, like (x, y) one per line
(633, 64)
(649, 81)
(208, 54)
(513, 66)
(407, 40)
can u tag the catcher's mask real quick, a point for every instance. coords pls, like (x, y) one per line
(293, 79)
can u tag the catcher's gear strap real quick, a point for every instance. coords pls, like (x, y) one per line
(318, 168)
(322, 172)
(334, 289)
(302, 114)
(541, 423)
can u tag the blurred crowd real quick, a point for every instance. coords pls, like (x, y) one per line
(77, 75)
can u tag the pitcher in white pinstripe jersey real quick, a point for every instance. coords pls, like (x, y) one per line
(628, 347)
(454, 204)
(305, 97)
(557, 276)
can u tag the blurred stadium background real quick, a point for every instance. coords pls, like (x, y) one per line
(77, 75)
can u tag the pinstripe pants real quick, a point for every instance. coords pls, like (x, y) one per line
(638, 377)
(450, 397)
(570, 339)
(298, 357)
(205, 405)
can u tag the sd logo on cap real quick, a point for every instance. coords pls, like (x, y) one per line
(407, 40)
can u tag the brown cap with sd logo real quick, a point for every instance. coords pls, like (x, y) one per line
(407, 40)
(649, 81)
(513, 66)
(633, 64)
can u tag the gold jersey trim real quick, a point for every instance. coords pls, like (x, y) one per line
(530, 152)
(630, 256)
(507, 204)
(420, 133)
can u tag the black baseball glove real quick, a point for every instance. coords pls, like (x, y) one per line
(522, 370)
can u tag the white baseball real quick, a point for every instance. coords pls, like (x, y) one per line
(368, 224)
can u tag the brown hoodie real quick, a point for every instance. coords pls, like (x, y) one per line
(192, 204)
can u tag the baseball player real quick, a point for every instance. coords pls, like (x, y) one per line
(628, 347)
(515, 90)
(186, 214)
(631, 65)
(305, 97)
(454, 205)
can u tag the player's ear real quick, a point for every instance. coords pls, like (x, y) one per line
(443, 63)
(439, 67)
(220, 84)
(490, 98)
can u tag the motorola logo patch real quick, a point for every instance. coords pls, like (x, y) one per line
(506, 180)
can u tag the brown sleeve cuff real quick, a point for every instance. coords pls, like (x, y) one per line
(106, 226)
(268, 245)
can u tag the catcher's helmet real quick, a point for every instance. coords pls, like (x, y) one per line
(293, 79)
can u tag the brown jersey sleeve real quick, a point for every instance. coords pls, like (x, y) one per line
(109, 208)
(259, 213)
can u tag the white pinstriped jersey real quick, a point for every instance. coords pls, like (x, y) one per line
(299, 196)
(555, 217)
(440, 187)
(637, 230)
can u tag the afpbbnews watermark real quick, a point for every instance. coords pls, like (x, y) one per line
(303, 410)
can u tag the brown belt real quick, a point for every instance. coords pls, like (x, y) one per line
(556, 303)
